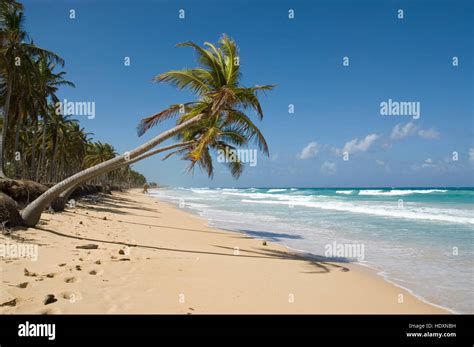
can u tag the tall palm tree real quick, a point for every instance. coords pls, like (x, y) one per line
(48, 84)
(219, 110)
(18, 69)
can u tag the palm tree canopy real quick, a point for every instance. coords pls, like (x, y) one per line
(98, 152)
(216, 83)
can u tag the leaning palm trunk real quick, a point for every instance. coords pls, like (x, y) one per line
(60, 202)
(32, 213)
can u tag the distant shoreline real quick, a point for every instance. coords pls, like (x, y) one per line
(293, 187)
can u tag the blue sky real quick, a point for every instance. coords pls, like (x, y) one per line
(337, 108)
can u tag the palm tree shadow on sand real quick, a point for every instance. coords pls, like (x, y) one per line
(320, 264)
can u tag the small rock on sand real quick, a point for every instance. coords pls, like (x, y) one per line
(28, 273)
(49, 299)
(22, 285)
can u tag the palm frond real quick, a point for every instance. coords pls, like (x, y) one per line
(229, 48)
(252, 132)
(192, 79)
(172, 111)
(210, 60)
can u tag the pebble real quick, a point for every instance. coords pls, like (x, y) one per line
(23, 285)
(28, 273)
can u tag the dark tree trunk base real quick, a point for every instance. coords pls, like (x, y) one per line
(22, 191)
(9, 214)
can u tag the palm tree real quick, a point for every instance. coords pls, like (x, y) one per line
(18, 69)
(48, 84)
(98, 152)
(218, 115)
(218, 85)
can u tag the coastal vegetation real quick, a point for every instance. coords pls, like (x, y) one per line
(40, 144)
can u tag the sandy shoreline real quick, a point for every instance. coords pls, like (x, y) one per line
(155, 258)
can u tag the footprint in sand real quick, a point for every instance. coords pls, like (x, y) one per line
(71, 280)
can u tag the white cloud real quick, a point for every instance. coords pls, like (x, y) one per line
(380, 162)
(400, 131)
(471, 155)
(328, 168)
(429, 134)
(309, 151)
(275, 157)
(360, 146)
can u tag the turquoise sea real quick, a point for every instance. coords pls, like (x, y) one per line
(421, 239)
